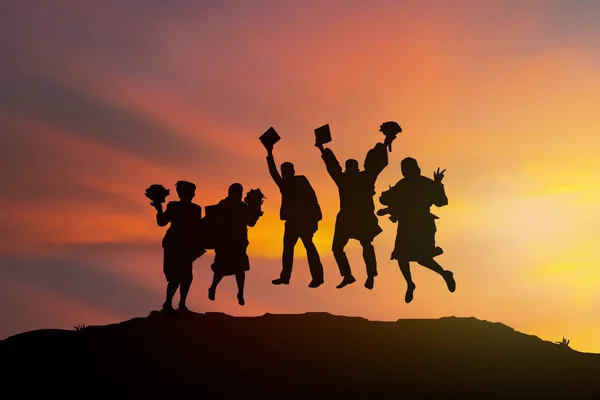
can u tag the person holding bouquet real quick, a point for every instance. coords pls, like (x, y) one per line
(179, 244)
(408, 204)
(231, 218)
(356, 218)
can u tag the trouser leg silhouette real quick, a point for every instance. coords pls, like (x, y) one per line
(314, 260)
(290, 238)
(369, 257)
(340, 240)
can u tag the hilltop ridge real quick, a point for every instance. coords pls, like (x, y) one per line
(297, 355)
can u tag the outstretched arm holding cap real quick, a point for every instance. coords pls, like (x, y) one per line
(331, 163)
(272, 167)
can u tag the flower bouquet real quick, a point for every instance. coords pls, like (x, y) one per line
(254, 199)
(157, 193)
(390, 129)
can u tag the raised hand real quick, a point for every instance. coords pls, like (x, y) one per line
(269, 148)
(388, 142)
(438, 176)
(390, 129)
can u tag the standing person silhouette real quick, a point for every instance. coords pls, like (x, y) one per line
(301, 212)
(408, 204)
(180, 249)
(232, 217)
(356, 218)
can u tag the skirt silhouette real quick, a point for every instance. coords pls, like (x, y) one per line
(178, 263)
(230, 261)
(415, 240)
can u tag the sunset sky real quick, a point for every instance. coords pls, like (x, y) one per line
(100, 99)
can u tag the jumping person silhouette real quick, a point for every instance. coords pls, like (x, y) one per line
(356, 218)
(301, 212)
(180, 249)
(408, 204)
(232, 217)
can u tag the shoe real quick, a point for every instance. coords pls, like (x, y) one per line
(370, 282)
(211, 294)
(280, 281)
(450, 282)
(168, 308)
(346, 281)
(315, 283)
(408, 297)
(241, 301)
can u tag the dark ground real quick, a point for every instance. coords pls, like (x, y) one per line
(294, 356)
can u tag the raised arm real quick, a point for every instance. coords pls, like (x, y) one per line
(331, 163)
(376, 160)
(439, 194)
(253, 206)
(252, 217)
(387, 196)
(163, 218)
(392, 199)
(273, 168)
(252, 214)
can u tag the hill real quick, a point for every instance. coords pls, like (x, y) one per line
(295, 356)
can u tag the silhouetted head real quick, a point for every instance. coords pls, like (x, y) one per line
(352, 166)
(287, 170)
(410, 168)
(185, 190)
(236, 191)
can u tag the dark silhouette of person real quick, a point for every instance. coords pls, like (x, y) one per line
(409, 203)
(180, 248)
(356, 218)
(232, 217)
(301, 212)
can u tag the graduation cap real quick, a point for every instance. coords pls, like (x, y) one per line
(323, 134)
(269, 138)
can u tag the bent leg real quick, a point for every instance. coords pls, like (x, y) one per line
(432, 265)
(213, 288)
(447, 275)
